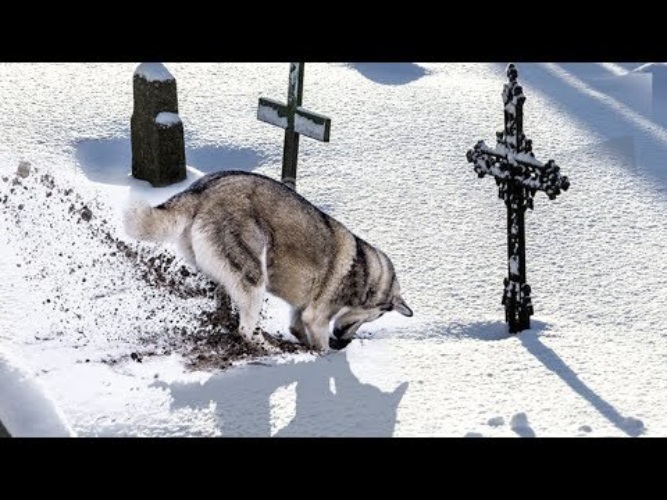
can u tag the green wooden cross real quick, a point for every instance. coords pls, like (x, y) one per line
(295, 120)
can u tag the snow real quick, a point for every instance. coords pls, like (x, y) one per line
(591, 365)
(651, 68)
(153, 72)
(25, 410)
(167, 119)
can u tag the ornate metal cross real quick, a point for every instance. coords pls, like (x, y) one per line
(519, 175)
(295, 120)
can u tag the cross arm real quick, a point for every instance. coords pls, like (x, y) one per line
(521, 168)
(306, 122)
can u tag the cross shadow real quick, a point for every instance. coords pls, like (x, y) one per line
(497, 331)
(390, 73)
(530, 340)
(344, 407)
(109, 161)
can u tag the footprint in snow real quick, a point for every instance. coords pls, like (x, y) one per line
(496, 421)
(519, 424)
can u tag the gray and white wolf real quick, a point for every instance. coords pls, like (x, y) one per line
(252, 234)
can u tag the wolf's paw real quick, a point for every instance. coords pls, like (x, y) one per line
(257, 340)
(265, 345)
(320, 348)
(299, 334)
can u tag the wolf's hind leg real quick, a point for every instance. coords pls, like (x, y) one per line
(184, 246)
(249, 302)
(238, 263)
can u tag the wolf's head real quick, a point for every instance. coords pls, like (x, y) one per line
(374, 291)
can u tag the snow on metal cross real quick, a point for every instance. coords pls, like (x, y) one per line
(295, 120)
(519, 175)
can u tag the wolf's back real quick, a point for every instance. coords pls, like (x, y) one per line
(234, 195)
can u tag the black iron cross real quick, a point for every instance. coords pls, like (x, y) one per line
(295, 120)
(519, 175)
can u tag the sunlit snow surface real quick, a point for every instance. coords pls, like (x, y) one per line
(395, 173)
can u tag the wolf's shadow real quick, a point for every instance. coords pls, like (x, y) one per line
(330, 400)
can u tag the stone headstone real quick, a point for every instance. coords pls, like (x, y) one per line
(158, 146)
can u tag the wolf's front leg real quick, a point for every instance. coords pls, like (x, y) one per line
(221, 297)
(317, 330)
(297, 327)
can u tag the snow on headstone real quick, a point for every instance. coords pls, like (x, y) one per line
(167, 119)
(153, 72)
(158, 146)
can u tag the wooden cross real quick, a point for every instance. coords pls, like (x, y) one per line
(519, 175)
(295, 120)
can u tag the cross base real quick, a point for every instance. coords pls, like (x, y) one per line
(290, 182)
(518, 306)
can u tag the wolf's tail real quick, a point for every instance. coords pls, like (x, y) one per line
(162, 223)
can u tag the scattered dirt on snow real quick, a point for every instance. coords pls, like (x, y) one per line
(180, 311)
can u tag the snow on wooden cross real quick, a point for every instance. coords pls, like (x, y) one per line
(295, 120)
(519, 175)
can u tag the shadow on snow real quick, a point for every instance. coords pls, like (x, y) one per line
(390, 73)
(109, 161)
(330, 400)
(530, 339)
(632, 107)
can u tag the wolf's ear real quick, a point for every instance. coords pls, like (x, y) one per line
(401, 307)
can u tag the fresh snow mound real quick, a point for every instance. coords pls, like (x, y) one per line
(25, 410)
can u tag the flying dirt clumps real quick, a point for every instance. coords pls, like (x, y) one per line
(23, 170)
(114, 300)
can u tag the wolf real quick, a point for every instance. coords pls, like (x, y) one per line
(252, 234)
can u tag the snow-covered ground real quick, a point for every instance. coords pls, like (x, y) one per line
(394, 172)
